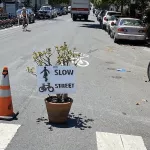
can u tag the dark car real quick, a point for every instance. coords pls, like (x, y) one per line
(64, 10)
(46, 11)
(59, 11)
(30, 13)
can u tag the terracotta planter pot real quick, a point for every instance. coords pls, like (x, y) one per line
(58, 112)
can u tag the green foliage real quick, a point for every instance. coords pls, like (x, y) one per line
(64, 57)
(58, 1)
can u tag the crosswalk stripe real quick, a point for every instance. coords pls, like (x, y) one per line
(110, 141)
(7, 132)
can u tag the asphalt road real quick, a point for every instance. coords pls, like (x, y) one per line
(105, 96)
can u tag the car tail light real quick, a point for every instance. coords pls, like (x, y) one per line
(122, 30)
(105, 18)
(142, 31)
(112, 23)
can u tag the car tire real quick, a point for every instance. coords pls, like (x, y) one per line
(116, 40)
(104, 27)
(111, 35)
(148, 71)
(86, 18)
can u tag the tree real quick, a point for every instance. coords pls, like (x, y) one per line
(53, 2)
(27, 3)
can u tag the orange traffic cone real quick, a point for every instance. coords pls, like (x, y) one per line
(6, 106)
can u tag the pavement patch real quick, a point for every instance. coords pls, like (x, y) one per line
(110, 141)
(110, 62)
(7, 132)
(116, 77)
(111, 68)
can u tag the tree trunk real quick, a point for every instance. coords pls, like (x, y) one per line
(122, 2)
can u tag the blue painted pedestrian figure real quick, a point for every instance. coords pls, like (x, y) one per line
(45, 75)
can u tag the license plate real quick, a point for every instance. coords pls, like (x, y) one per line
(131, 38)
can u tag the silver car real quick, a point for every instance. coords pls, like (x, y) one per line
(110, 20)
(128, 29)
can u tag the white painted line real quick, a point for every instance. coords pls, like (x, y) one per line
(7, 132)
(79, 61)
(110, 141)
(133, 142)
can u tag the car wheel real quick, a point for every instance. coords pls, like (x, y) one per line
(104, 27)
(116, 40)
(111, 34)
(148, 71)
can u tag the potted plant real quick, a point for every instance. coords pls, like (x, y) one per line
(58, 106)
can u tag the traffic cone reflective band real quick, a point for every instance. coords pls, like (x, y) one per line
(6, 106)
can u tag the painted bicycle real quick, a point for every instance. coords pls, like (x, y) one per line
(44, 88)
(79, 61)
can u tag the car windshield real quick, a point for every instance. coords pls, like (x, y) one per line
(114, 17)
(113, 13)
(130, 22)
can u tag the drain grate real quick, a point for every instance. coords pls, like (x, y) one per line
(116, 77)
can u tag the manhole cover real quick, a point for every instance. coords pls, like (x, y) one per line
(111, 68)
(109, 62)
(116, 77)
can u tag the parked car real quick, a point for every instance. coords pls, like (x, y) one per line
(45, 12)
(107, 14)
(128, 29)
(59, 11)
(30, 13)
(54, 12)
(110, 20)
(97, 11)
(69, 9)
(100, 16)
(64, 10)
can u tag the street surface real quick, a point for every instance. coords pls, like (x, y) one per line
(105, 100)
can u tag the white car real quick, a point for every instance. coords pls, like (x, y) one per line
(107, 14)
(69, 9)
(46, 11)
(110, 21)
(128, 29)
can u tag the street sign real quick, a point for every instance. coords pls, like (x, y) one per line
(56, 79)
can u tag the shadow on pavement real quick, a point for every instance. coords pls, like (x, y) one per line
(132, 43)
(95, 26)
(79, 121)
(85, 21)
(28, 30)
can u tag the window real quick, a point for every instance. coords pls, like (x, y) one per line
(113, 13)
(117, 22)
(130, 22)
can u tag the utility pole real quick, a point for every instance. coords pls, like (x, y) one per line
(122, 3)
(35, 6)
(132, 8)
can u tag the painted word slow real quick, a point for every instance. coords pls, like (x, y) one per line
(67, 85)
(64, 72)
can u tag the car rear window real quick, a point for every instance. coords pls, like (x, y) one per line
(131, 22)
(113, 13)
